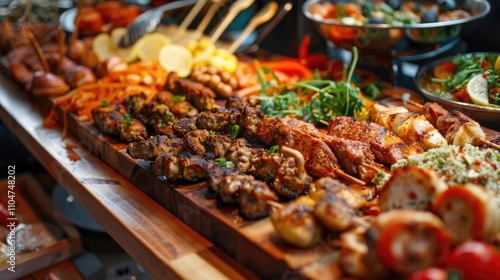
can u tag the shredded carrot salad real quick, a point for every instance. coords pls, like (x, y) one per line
(139, 77)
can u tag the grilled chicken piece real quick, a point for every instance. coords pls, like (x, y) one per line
(250, 118)
(240, 103)
(177, 104)
(194, 141)
(233, 187)
(183, 166)
(230, 186)
(326, 185)
(416, 129)
(218, 121)
(241, 155)
(216, 146)
(132, 130)
(112, 120)
(334, 212)
(295, 222)
(470, 212)
(383, 115)
(445, 121)
(153, 114)
(134, 103)
(291, 181)
(461, 133)
(410, 127)
(201, 143)
(156, 115)
(107, 118)
(254, 199)
(320, 160)
(352, 155)
(432, 112)
(411, 187)
(201, 96)
(181, 127)
(265, 166)
(407, 240)
(385, 145)
(155, 146)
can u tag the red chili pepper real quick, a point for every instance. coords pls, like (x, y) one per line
(304, 47)
(289, 67)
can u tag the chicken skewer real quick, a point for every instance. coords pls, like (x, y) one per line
(409, 126)
(462, 125)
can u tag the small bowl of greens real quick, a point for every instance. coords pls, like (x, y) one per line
(469, 83)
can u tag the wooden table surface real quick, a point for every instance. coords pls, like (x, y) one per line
(164, 246)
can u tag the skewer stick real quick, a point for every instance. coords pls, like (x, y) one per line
(61, 44)
(38, 50)
(374, 168)
(489, 143)
(298, 156)
(482, 140)
(274, 204)
(414, 103)
(360, 222)
(348, 177)
(324, 122)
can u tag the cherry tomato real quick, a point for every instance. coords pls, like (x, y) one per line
(475, 260)
(431, 273)
(445, 70)
(462, 95)
(485, 64)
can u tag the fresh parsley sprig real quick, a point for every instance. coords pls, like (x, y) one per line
(314, 101)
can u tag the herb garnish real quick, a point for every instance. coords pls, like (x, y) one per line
(235, 131)
(312, 101)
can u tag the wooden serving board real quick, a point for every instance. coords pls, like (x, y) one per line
(252, 243)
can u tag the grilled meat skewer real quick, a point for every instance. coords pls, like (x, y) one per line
(387, 147)
(201, 96)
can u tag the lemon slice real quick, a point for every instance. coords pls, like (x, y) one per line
(102, 46)
(130, 53)
(477, 88)
(149, 46)
(497, 64)
(176, 58)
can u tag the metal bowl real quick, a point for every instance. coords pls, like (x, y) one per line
(486, 116)
(376, 39)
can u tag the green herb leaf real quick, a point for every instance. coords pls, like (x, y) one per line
(220, 161)
(273, 150)
(235, 131)
(104, 102)
(178, 98)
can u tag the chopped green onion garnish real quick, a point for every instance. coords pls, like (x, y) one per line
(235, 131)
(273, 150)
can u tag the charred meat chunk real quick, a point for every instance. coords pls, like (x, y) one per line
(181, 127)
(155, 146)
(254, 199)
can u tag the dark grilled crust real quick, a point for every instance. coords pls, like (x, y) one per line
(385, 145)
(289, 183)
(182, 126)
(107, 118)
(254, 199)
